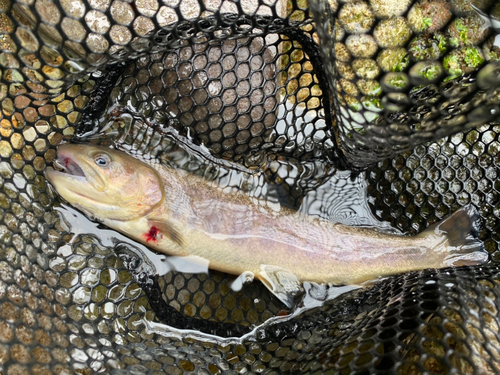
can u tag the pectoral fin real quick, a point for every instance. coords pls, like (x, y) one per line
(281, 282)
(158, 228)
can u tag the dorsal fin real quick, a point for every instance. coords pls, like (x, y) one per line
(168, 230)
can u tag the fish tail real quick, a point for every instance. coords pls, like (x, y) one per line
(463, 248)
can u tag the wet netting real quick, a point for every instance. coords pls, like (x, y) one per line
(366, 112)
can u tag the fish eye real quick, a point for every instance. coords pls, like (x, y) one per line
(102, 160)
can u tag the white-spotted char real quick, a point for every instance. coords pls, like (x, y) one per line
(179, 214)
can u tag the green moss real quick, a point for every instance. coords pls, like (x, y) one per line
(430, 72)
(401, 64)
(355, 106)
(426, 23)
(492, 55)
(472, 57)
(398, 82)
(442, 42)
(416, 50)
(454, 42)
(372, 103)
(369, 87)
(376, 91)
(425, 47)
(462, 30)
(452, 65)
(393, 60)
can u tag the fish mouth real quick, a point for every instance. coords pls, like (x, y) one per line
(74, 172)
(68, 166)
(71, 167)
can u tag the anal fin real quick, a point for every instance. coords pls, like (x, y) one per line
(281, 282)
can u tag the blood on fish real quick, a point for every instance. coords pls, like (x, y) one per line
(152, 235)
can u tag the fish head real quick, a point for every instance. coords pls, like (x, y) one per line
(106, 183)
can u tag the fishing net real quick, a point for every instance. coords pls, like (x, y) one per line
(281, 100)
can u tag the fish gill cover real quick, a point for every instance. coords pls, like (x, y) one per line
(275, 98)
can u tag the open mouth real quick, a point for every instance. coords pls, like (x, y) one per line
(69, 166)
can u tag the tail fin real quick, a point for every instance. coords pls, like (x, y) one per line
(461, 230)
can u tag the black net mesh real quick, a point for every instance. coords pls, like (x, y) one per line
(419, 188)
(408, 72)
(275, 99)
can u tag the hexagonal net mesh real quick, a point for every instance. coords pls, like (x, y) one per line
(269, 98)
(408, 72)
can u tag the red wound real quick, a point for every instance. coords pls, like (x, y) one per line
(152, 235)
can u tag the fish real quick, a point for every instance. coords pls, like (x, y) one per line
(181, 214)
